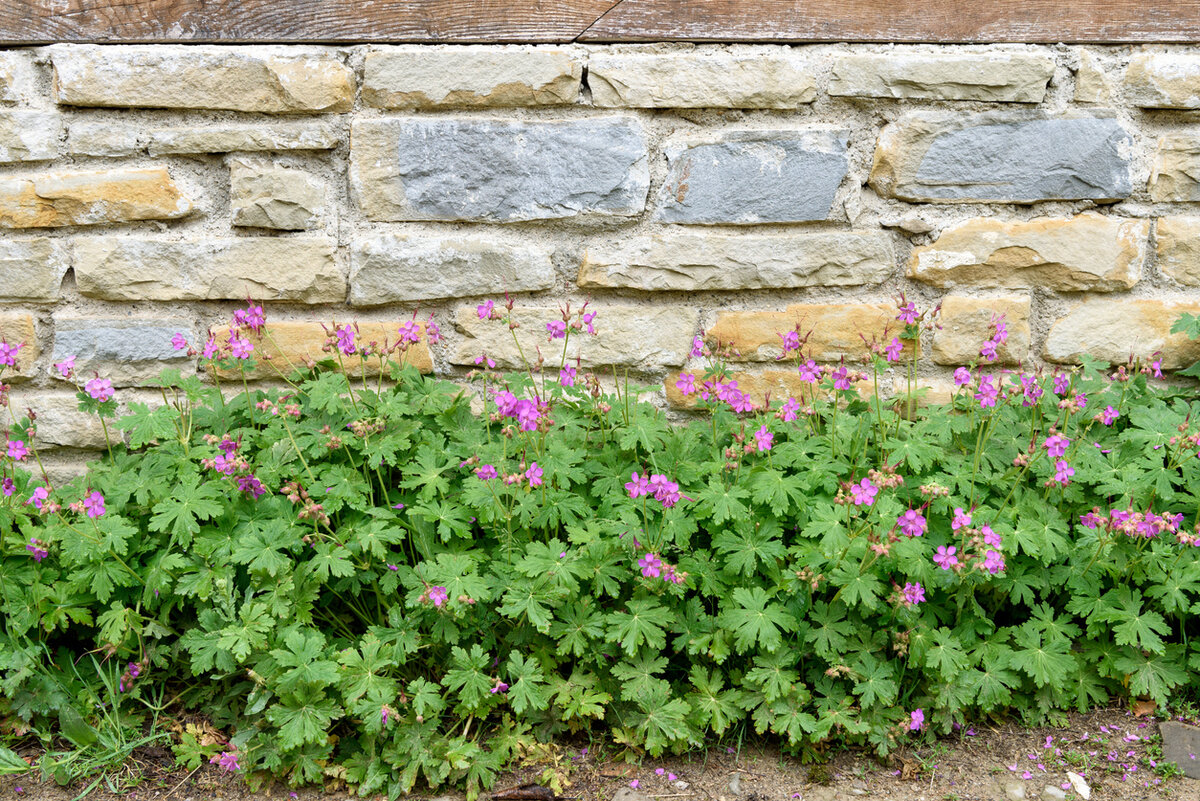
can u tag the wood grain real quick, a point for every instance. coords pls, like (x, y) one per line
(1094, 21)
(25, 22)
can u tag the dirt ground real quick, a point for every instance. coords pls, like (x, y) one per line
(1114, 751)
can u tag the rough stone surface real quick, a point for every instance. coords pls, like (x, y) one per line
(30, 136)
(1175, 176)
(1179, 249)
(401, 268)
(290, 345)
(1113, 330)
(487, 170)
(105, 139)
(1092, 85)
(420, 76)
(298, 269)
(274, 196)
(8, 78)
(127, 350)
(60, 424)
(991, 76)
(779, 384)
(270, 80)
(646, 337)
(1181, 745)
(56, 199)
(234, 137)
(1163, 80)
(701, 261)
(750, 77)
(15, 328)
(966, 323)
(1001, 156)
(1089, 251)
(833, 329)
(754, 177)
(32, 269)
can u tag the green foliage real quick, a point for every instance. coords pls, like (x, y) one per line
(416, 591)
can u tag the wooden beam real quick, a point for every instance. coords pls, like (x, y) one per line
(1096, 21)
(24, 22)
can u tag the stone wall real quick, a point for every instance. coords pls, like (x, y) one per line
(737, 190)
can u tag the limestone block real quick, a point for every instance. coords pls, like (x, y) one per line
(243, 137)
(1114, 330)
(1163, 80)
(55, 199)
(30, 136)
(968, 321)
(274, 196)
(1015, 77)
(126, 350)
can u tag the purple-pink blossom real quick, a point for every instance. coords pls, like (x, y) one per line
(908, 313)
(37, 549)
(893, 350)
(566, 376)
(914, 593)
(961, 519)
(226, 760)
(638, 486)
(438, 595)
(993, 561)
(484, 310)
(1108, 416)
(810, 372)
(686, 383)
(1056, 445)
(66, 367)
(345, 340)
(863, 493)
(240, 347)
(946, 557)
(988, 393)
(916, 720)
(410, 332)
(39, 495)
(99, 388)
(764, 438)
(8, 353)
(651, 565)
(990, 537)
(912, 523)
(17, 450)
(250, 485)
(962, 377)
(787, 413)
(534, 474)
(485, 472)
(94, 505)
(557, 329)
(1063, 472)
(179, 342)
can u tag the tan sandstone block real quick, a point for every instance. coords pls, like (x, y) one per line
(778, 385)
(834, 330)
(270, 80)
(1015, 77)
(926, 390)
(741, 77)
(1175, 176)
(60, 424)
(51, 200)
(1089, 251)
(30, 136)
(421, 76)
(1113, 330)
(290, 345)
(703, 261)
(244, 137)
(32, 269)
(1163, 80)
(966, 323)
(16, 329)
(1179, 249)
(646, 337)
(300, 269)
(274, 196)
(1092, 85)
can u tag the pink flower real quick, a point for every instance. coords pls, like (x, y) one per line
(438, 595)
(39, 495)
(566, 376)
(988, 351)
(8, 486)
(638, 486)
(8, 353)
(961, 519)
(226, 760)
(962, 377)
(651, 565)
(990, 537)
(893, 350)
(1108, 416)
(433, 331)
(253, 317)
(945, 557)
(485, 472)
(251, 486)
(988, 392)
(1063, 472)
(587, 318)
(410, 331)
(913, 593)
(1001, 335)
(484, 310)
(916, 720)
(764, 438)
(791, 342)
(634, 784)
(500, 687)
(1062, 383)
(557, 329)
(993, 562)
(94, 505)
(810, 372)
(179, 342)
(788, 412)
(1156, 366)
(863, 493)
(534, 474)
(912, 523)
(17, 450)
(1056, 445)
(240, 347)
(665, 491)
(37, 549)
(686, 383)
(99, 388)
(841, 378)
(697, 348)
(210, 348)
(345, 340)
(908, 313)
(483, 357)
(65, 367)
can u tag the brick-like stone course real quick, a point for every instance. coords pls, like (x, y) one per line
(274, 196)
(243, 137)
(1002, 77)
(30, 136)
(32, 268)
(1115, 330)
(289, 345)
(128, 350)
(834, 330)
(1163, 80)
(754, 177)
(1175, 176)
(18, 328)
(57, 199)
(1178, 246)
(700, 261)
(966, 322)
(491, 171)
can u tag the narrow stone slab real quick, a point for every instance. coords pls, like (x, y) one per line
(1086, 252)
(700, 261)
(400, 268)
(294, 344)
(644, 337)
(997, 156)
(60, 424)
(833, 330)
(1181, 745)
(424, 76)
(1114, 330)
(32, 269)
(487, 170)
(57, 199)
(300, 269)
(983, 75)
(754, 177)
(966, 323)
(272, 80)
(1163, 80)
(30, 136)
(242, 137)
(106, 139)
(127, 350)
(740, 77)
(1175, 177)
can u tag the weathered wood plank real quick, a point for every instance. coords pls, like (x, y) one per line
(231, 21)
(900, 21)
(343, 21)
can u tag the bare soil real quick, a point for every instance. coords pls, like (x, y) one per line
(1114, 750)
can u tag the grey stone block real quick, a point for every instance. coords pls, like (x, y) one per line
(755, 177)
(1181, 745)
(128, 351)
(494, 171)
